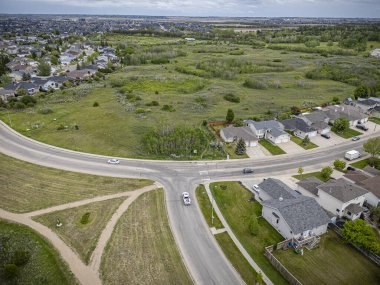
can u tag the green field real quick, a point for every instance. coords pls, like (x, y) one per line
(360, 164)
(26, 187)
(375, 120)
(317, 174)
(82, 226)
(205, 205)
(333, 262)
(298, 141)
(193, 84)
(273, 149)
(236, 207)
(349, 133)
(142, 249)
(37, 262)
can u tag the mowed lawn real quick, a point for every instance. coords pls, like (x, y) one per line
(43, 265)
(333, 262)
(273, 149)
(142, 249)
(237, 209)
(26, 187)
(82, 226)
(206, 207)
(349, 133)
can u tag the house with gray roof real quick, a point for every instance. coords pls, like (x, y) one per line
(272, 188)
(353, 114)
(366, 104)
(271, 130)
(296, 217)
(299, 128)
(233, 134)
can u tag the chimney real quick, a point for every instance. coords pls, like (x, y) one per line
(281, 199)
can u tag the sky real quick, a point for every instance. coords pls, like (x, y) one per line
(232, 8)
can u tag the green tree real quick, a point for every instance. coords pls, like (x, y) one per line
(22, 92)
(340, 125)
(295, 110)
(300, 171)
(240, 147)
(375, 214)
(339, 164)
(312, 43)
(5, 79)
(326, 172)
(306, 141)
(44, 68)
(54, 60)
(372, 146)
(253, 225)
(230, 115)
(26, 76)
(361, 91)
(361, 234)
(10, 270)
(335, 100)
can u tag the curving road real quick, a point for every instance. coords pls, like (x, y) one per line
(203, 257)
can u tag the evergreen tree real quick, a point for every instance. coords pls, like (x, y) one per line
(240, 147)
(230, 116)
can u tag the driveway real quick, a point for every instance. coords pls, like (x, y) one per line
(372, 128)
(291, 147)
(257, 151)
(322, 142)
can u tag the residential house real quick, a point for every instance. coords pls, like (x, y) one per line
(231, 134)
(271, 130)
(80, 74)
(317, 120)
(30, 87)
(5, 94)
(374, 112)
(351, 113)
(299, 128)
(340, 197)
(366, 105)
(272, 188)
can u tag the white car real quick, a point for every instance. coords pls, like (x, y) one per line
(113, 161)
(186, 198)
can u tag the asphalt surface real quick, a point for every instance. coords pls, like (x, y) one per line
(204, 259)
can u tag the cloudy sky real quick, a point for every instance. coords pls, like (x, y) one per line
(249, 8)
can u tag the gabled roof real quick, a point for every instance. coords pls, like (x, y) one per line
(354, 208)
(372, 184)
(371, 170)
(342, 189)
(316, 116)
(265, 125)
(367, 102)
(239, 132)
(297, 124)
(349, 112)
(301, 214)
(276, 188)
(356, 176)
(277, 132)
(310, 184)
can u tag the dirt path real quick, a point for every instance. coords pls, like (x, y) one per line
(86, 275)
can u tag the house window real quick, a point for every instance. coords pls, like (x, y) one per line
(349, 213)
(337, 210)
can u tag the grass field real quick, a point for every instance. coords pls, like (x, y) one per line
(107, 129)
(375, 120)
(273, 149)
(142, 249)
(349, 133)
(311, 174)
(82, 226)
(205, 205)
(360, 164)
(230, 149)
(333, 262)
(237, 210)
(298, 141)
(26, 187)
(42, 265)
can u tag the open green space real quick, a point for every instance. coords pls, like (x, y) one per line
(206, 207)
(82, 226)
(375, 120)
(26, 187)
(142, 249)
(33, 258)
(238, 261)
(273, 149)
(231, 148)
(349, 133)
(360, 163)
(235, 203)
(317, 174)
(333, 262)
(298, 141)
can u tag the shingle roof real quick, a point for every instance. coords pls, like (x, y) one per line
(276, 189)
(301, 214)
(342, 189)
(297, 124)
(354, 208)
(367, 102)
(310, 184)
(277, 132)
(239, 132)
(372, 185)
(356, 176)
(371, 170)
(265, 125)
(349, 112)
(317, 116)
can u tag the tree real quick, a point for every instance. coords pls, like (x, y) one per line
(375, 214)
(253, 225)
(300, 171)
(230, 115)
(10, 270)
(361, 234)
(5, 79)
(372, 146)
(54, 60)
(361, 91)
(340, 125)
(22, 92)
(339, 164)
(44, 68)
(326, 172)
(240, 147)
(306, 140)
(312, 43)
(335, 100)
(25, 76)
(295, 110)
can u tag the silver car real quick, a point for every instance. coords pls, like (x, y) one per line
(186, 198)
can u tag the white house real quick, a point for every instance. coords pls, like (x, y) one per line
(271, 130)
(233, 134)
(366, 104)
(369, 182)
(299, 128)
(340, 197)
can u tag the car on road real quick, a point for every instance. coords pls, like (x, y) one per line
(186, 198)
(113, 161)
(361, 127)
(355, 139)
(247, 170)
(326, 136)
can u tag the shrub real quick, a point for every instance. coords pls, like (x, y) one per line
(60, 127)
(45, 111)
(168, 108)
(231, 98)
(85, 218)
(153, 103)
(255, 84)
(10, 271)
(19, 105)
(277, 60)
(21, 257)
(96, 104)
(141, 111)
(326, 172)
(253, 226)
(339, 164)
(230, 115)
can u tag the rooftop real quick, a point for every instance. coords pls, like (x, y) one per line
(342, 189)
(239, 132)
(276, 188)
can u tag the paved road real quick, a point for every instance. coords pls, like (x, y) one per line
(204, 259)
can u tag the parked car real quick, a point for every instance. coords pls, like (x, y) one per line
(113, 161)
(351, 168)
(326, 136)
(247, 170)
(186, 198)
(355, 139)
(256, 188)
(361, 127)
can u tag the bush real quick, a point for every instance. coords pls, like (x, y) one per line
(255, 84)
(374, 162)
(45, 111)
(60, 127)
(253, 226)
(19, 105)
(85, 218)
(10, 271)
(168, 108)
(153, 103)
(326, 172)
(339, 164)
(96, 104)
(21, 257)
(231, 98)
